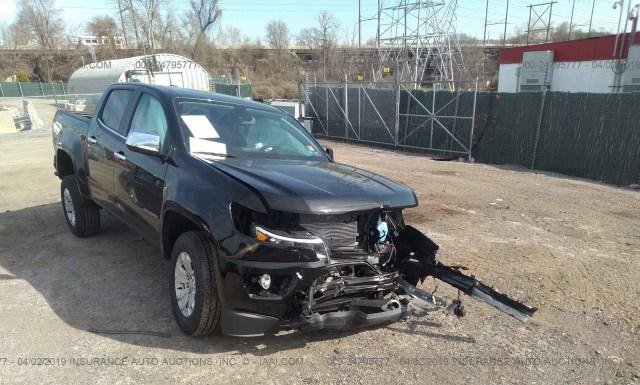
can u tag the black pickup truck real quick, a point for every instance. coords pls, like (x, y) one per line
(264, 230)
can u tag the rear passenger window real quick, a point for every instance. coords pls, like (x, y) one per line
(114, 108)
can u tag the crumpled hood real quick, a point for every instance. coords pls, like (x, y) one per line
(316, 187)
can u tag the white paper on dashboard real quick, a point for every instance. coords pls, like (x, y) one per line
(200, 126)
(204, 146)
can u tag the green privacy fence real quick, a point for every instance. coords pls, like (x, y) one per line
(595, 136)
(239, 90)
(21, 89)
(26, 89)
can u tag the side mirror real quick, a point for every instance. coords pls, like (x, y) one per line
(144, 143)
(329, 152)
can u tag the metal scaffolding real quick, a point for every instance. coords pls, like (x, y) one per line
(418, 40)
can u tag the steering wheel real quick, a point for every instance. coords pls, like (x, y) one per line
(268, 147)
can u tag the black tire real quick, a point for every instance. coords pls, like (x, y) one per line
(205, 316)
(86, 214)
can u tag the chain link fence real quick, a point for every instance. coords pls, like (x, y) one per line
(239, 90)
(433, 117)
(35, 89)
(25, 89)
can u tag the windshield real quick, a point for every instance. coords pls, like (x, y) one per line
(218, 129)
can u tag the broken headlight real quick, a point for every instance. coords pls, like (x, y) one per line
(302, 242)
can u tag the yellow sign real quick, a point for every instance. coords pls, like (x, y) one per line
(243, 78)
(360, 77)
(386, 69)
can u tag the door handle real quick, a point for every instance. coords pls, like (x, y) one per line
(120, 155)
(92, 140)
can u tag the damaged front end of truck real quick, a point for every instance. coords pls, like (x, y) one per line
(344, 271)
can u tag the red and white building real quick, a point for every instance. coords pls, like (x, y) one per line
(586, 65)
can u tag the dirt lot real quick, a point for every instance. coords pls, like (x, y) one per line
(567, 246)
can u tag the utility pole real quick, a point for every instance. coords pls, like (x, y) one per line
(378, 30)
(487, 24)
(549, 22)
(359, 23)
(506, 21)
(593, 6)
(124, 33)
(573, 7)
(324, 60)
(486, 15)
(529, 23)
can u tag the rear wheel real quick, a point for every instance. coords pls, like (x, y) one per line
(194, 297)
(82, 216)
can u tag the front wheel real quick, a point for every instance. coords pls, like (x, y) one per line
(194, 297)
(83, 216)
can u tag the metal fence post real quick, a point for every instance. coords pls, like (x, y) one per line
(396, 123)
(64, 92)
(433, 112)
(1, 90)
(359, 113)
(326, 104)
(20, 88)
(473, 120)
(41, 89)
(539, 126)
(346, 107)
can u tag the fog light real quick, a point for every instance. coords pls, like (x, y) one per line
(265, 281)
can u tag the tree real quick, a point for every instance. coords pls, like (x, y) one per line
(146, 12)
(278, 34)
(15, 35)
(202, 15)
(164, 30)
(129, 19)
(327, 27)
(103, 26)
(309, 37)
(42, 21)
(232, 37)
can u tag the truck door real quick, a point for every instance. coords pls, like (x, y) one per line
(105, 132)
(139, 179)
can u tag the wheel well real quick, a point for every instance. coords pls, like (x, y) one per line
(173, 225)
(64, 164)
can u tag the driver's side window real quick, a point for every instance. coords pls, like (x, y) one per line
(149, 118)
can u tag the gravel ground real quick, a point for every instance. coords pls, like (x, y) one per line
(570, 247)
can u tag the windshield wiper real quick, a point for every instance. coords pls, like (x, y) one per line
(214, 154)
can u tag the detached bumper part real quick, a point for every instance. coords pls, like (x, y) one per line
(484, 293)
(353, 319)
(243, 324)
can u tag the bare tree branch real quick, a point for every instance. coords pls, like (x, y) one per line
(278, 34)
(205, 13)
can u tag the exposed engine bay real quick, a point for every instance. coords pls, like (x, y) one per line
(373, 264)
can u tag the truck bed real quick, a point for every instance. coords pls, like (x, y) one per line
(73, 122)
